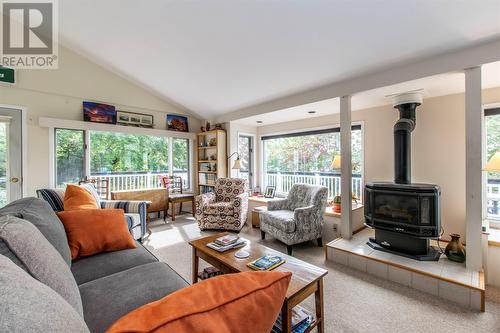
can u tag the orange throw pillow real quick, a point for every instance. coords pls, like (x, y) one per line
(76, 197)
(244, 302)
(92, 231)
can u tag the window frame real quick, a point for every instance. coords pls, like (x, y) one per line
(488, 111)
(82, 126)
(251, 156)
(334, 128)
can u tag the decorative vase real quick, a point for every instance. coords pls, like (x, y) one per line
(336, 204)
(455, 251)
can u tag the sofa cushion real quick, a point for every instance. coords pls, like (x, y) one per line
(104, 264)
(92, 231)
(107, 299)
(245, 303)
(280, 219)
(40, 258)
(77, 197)
(43, 217)
(219, 208)
(53, 196)
(30, 306)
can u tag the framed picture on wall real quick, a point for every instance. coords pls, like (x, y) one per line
(99, 113)
(177, 123)
(134, 119)
(270, 192)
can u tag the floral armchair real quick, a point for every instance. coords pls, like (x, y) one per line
(298, 218)
(224, 209)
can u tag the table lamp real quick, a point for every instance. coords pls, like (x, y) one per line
(336, 163)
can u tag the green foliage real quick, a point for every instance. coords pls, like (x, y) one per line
(120, 152)
(311, 153)
(112, 152)
(69, 156)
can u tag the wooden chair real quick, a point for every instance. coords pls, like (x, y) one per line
(101, 186)
(174, 184)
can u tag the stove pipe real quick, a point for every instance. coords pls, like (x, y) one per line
(407, 105)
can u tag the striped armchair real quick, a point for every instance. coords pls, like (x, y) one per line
(135, 211)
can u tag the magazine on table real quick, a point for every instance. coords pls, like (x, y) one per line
(266, 263)
(222, 248)
(227, 239)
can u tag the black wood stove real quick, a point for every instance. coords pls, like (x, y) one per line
(405, 216)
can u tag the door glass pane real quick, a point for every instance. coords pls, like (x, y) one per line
(4, 155)
(70, 156)
(181, 160)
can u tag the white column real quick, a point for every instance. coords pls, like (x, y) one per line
(473, 167)
(346, 167)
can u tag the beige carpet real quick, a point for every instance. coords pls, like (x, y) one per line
(354, 302)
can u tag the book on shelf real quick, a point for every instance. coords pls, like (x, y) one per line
(206, 189)
(266, 263)
(207, 178)
(301, 320)
(223, 248)
(227, 239)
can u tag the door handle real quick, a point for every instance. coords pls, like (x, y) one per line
(14, 180)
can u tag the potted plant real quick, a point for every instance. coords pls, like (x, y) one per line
(336, 204)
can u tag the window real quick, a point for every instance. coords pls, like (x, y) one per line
(307, 158)
(245, 150)
(181, 160)
(127, 161)
(70, 156)
(492, 122)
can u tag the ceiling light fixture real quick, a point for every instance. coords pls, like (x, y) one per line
(259, 121)
(311, 112)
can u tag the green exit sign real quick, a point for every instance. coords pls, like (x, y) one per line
(7, 75)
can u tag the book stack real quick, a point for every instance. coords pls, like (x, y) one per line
(266, 263)
(226, 243)
(208, 273)
(301, 321)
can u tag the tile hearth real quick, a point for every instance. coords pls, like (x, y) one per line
(443, 278)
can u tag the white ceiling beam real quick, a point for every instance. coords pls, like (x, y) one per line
(448, 62)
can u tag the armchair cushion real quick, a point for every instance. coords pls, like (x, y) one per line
(280, 219)
(219, 208)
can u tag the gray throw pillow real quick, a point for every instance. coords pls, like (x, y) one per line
(39, 212)
(30, 306)
(40, 258)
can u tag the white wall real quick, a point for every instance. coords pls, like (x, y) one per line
(438, 147)
(59, 94)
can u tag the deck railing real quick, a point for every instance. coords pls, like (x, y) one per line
(137, 181)
(284, 181)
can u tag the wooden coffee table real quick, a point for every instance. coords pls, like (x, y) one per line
(306, 279)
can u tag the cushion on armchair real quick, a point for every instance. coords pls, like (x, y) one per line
(219, 208)
(282, 220)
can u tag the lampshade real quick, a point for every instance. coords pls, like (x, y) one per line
(494, 163)
(336, 163)
(237, 164)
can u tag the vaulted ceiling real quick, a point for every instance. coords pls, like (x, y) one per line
(214, 57)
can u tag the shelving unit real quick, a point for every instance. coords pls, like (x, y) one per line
(212, 159)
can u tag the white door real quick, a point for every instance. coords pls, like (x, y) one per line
(11, 187)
